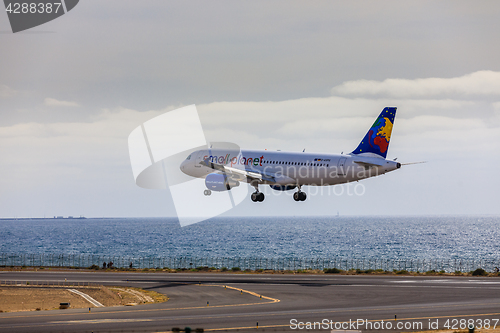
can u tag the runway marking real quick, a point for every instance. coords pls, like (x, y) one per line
(247, 327)
(416, 286)
(447, 281)
(87, 298)
(98, 321)
(67, 282)
(371, 320)
(421, 281)
(312, 311)
(143, 297)
(271, 300)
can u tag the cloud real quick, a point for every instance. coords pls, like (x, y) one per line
(77, 159)
(496, 105)
(84, 164)
(330, 124)
(56, 103)
(481, 83)
(269, 114)
(6, 91)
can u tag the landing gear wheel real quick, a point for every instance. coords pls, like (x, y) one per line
(257, 197)
(207, 192)
(299, 196)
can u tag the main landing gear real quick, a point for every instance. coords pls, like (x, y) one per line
(299, 196)
(207, 192)
(257, 196)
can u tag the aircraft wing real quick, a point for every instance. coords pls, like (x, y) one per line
(240, 174)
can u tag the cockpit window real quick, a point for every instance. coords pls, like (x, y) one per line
(189, 157)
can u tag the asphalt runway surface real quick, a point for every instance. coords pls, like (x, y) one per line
(277, 302)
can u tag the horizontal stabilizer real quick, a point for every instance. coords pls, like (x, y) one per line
(369, 164)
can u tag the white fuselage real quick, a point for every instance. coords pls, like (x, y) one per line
(291, 168)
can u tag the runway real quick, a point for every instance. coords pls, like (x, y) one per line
(277, 302)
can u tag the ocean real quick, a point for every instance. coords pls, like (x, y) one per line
(431, 237)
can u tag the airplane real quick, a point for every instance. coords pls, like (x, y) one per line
(224, 169)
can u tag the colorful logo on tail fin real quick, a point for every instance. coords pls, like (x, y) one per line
(380, 134)
(377, 139)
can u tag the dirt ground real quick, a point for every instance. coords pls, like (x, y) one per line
(27, 298)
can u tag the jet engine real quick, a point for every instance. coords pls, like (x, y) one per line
(220, 182)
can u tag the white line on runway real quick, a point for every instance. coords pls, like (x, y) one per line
(421, 281)
(88, 298)
(446, 281)
(98, 321)
(93, 281)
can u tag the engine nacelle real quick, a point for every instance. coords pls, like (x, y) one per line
(219, 182)
(282, 187)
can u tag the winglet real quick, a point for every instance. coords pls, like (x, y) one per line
(376, 141)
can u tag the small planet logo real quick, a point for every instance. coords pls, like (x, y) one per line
(26, 14)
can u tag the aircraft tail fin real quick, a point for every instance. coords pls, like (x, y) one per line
(376, 141)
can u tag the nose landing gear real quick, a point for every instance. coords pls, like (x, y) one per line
(299, 196)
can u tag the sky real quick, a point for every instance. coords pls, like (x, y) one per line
(287, 75)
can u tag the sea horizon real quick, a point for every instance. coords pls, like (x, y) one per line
(410, 237)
